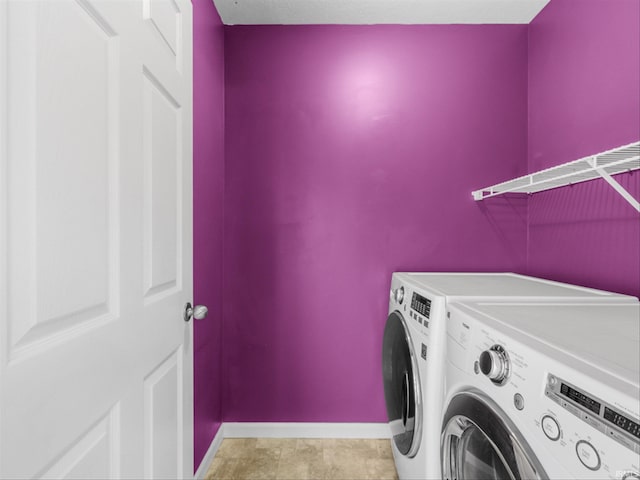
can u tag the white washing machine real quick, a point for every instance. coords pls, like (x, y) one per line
(414, 349)
(542, 391)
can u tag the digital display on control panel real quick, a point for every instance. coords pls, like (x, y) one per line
(421, 305)
(580, 398)
(622, 422)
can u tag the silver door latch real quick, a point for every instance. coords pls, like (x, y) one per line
(198, 312)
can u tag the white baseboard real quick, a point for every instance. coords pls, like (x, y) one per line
(211, 452)
(306, 430)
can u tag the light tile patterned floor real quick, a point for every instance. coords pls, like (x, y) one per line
(302, 459)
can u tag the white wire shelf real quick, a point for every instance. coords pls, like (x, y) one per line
(602, 165)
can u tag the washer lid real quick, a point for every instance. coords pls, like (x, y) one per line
(602, 336)
(504, 285)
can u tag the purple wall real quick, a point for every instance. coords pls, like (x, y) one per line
(584, 97)
(208, 179)
(351, 152)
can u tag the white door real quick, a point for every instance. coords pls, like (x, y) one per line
(95, 239)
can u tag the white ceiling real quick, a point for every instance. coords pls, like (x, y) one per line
(353, 12)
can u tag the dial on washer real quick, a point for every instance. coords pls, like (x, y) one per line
(494, 363)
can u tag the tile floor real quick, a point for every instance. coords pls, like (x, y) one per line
(303, 459)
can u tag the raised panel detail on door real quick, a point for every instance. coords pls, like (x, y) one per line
(95, 241)
(63, 268)
(164, 16)
(162, 145)
(163, 419)
(96, 455)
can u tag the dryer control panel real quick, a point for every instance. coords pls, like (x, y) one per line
(601, 415)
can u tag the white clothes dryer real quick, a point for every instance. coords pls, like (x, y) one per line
(542, 391)
(414, 351)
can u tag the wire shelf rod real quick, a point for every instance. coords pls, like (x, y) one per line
(602, 165)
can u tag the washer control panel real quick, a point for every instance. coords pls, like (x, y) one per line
(421, 305)
(595, 412)
(409, 302)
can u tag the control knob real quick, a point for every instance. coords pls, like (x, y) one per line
(631, 476)
(398, 295)
(494, 363)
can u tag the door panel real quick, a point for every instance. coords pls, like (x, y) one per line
(163, 424)
(164, 14)
(95, 239)
(95, 455)
(162, 127)
(42, 195)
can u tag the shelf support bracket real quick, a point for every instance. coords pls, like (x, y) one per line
(616, 186)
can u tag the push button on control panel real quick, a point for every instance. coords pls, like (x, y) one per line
(518, 401)
(588, 455)
(550, 428)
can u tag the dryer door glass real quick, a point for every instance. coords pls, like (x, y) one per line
(478, 458)
(401, 386)
(479, 442)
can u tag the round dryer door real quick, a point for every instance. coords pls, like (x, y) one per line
(480, 443)
(401, 385)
